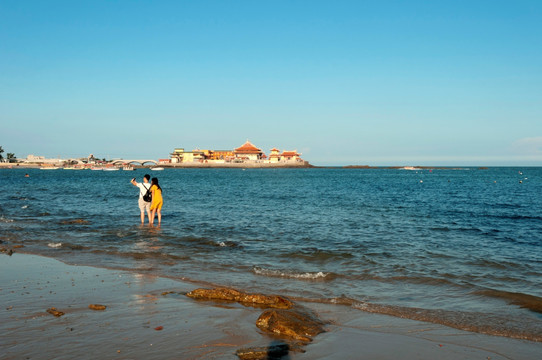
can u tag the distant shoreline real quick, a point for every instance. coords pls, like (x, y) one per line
(305, 165)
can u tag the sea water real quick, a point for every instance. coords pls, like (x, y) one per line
(460, 247)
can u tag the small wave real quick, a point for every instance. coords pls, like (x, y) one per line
(483, 323)
(4, 220)
(517, 217)
(225, 244)
(55, 245)
(73, 246)
(141, 255)
(469, 321)
(422, 280)
(442, 229)
(314, 254)
(293, 275)
(524, 301)
(24, 207)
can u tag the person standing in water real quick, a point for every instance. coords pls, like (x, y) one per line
(157, 201)
(143, 205)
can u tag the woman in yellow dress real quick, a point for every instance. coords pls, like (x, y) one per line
(157, 201)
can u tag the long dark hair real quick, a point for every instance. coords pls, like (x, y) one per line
(154, 181)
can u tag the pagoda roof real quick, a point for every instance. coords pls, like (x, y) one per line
(275, 149)
(248, 148)
(290, 153)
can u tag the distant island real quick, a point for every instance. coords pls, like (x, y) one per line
(245, 156)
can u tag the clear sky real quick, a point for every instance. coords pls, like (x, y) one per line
(343, 82)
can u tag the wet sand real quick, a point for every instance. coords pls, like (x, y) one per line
(150, 317)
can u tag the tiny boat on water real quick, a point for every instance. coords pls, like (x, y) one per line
(128, 168)
(49, 168)
(157, 168)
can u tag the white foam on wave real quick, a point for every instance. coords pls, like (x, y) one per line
(290, 274)
(3, 219)
(24, 206)
(54, 245)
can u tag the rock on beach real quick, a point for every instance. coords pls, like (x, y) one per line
(97, 307)
(55, 312)
(296, 324)
(256, 300)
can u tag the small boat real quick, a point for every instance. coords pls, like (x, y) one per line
(95, 168)
(112, 168)
(157, 168)
(49, 168)
(128, 168)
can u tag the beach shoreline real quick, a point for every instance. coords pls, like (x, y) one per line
(149, 316)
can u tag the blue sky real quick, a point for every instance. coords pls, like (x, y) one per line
(343, 82)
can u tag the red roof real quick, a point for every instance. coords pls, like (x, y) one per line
(275, 149)
(290, 153)
(248, 148)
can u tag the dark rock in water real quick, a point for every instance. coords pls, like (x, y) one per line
(97, 307)
(18, 246)
(75, 221)
(55, 312)
(296, 324)
(73, 246)
(256, 300)
(272, 352)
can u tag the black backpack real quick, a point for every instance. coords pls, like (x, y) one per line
(148, 195)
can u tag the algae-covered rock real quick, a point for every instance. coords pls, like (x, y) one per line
(97, 307)
(295, 324)
(55, 312)
(272, 352)
(257, 300)
(75, 221)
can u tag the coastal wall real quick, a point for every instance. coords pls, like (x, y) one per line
(244, 165)
(216, 165)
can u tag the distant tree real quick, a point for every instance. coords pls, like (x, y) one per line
(10, 157)
(1, 151)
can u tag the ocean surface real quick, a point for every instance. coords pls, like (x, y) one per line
(459, 247)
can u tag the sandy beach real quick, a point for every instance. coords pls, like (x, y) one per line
(150, 317)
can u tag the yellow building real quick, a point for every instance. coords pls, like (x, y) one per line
(177, 155)
(274, 155)
(222, 155)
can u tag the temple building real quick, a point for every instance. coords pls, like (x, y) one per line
(274, 155)
(248, 151)
(290, 156)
